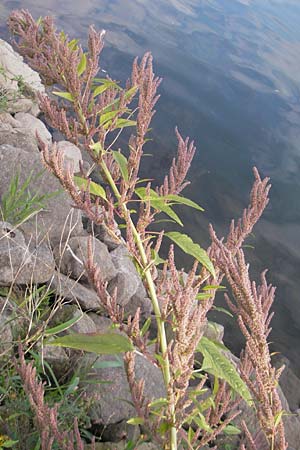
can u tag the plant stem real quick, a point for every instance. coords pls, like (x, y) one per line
(152, 292)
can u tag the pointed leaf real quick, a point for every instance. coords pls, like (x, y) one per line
(123, 123)
(95, 188)
(188, 246)
(231, 430)
(65, 95)
(100, 89)
(63, 326)
(216, 363)
(157, 203)
(82, 65)
(122, 163)
(136, 421)
(183, 201)
(107, 343)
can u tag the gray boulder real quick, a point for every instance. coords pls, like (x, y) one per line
(108, 389)
(289, 383)
(58, 220)
(23, 261)
(6, 334)
(75, 291)
(72, 154)
(71, 260)
(24, 99)
(18, 137)
(34, 126)
(127, 281)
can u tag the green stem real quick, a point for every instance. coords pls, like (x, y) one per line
(152, 292)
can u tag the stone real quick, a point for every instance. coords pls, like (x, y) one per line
(139, 300)
(101, 232)
(72, 155)
(289, 383)
(71, 261)
(19, 138)
(127, 280)
(34, 126)
(22, 261)
(68, 312)
(6, 334)
(58, 220)
(69, 289)
(291, 425)
(18, 99)
(58, 359)
(122, 446)
(112, 390)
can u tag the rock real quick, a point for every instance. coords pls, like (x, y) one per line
(70, 289)
(114, 398)
(34, 125)
(103, 324)
(67, 312)
(214, 331)
(58, 220)
(71, 261)
(8, 119)
(22, 261)
(139, 300)
(6, 335)
(72, 154)
(17, 93)
(58, 359)
(291, 425)
(19, 138)
(119, 432)
(122, 446)
(127, 280)
(289, 383)
(101, 232)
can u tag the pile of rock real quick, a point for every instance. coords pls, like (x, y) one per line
(50, 248)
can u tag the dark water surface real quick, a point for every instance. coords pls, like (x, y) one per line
(231, 72)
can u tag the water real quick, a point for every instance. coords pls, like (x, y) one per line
(231, 73)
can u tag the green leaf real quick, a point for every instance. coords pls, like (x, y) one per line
(107, 364)
(95, 188)
(65, 95)
(73, 43)
(231, 430)
(123, 123)
(183, 201)
(97, 147)
(216, 363)
(103, 87)
(157, 203)
(107, 343)
(156, 258)
(63, 326)
(9, 443)
(202, 296)
(200, 421)
(212, 287)
(122, 163)
(223, 310)
(188, 246)
(107, 117)
(82, 65)
(278, 418)
(158, 403)
(146, 326)
(136, 421)
(130, 92)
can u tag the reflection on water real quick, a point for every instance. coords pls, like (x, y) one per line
(232, 82)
